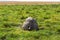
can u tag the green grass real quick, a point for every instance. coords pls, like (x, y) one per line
(13, 16)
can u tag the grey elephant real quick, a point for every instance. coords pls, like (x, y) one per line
(30, 24)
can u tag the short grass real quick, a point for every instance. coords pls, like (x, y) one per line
(13, 16)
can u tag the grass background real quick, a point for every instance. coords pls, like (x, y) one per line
(13, 16)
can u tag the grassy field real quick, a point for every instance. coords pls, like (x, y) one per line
(25, 3)
(13, 16)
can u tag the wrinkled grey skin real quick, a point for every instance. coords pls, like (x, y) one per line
(30, 24)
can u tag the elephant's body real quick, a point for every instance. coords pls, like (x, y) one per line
(30, 24)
